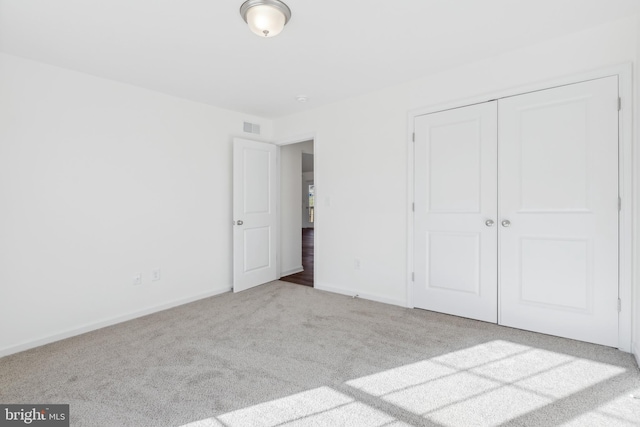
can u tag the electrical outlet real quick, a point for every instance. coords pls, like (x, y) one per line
(356, 264)
(155, 275)
(137, 279)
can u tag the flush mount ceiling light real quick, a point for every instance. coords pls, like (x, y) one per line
(266, 18)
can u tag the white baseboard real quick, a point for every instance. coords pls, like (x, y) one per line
(109, 322)
(359, 294)
(291, 271)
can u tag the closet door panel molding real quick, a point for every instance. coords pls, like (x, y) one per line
(455, 195)
(516, 211)
(558, 188)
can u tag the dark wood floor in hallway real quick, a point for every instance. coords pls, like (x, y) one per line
(304, 277)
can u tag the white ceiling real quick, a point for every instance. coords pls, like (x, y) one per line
(331, 49)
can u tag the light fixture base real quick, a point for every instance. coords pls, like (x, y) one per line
(273, 3)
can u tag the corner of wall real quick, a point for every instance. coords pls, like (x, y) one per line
(355, 294)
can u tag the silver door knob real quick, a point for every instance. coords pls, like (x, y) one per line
(489, 223)
(506, 223)
(240, 222)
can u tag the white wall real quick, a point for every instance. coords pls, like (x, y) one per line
(100, 181)
(362, 148)
(602, 46)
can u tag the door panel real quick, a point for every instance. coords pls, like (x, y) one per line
(255, 240)
(552, 140)
(454, 166)
(254, 213)
(447, 253)
(455, 193)
(546, 261)
(256, 192)
(558, 188)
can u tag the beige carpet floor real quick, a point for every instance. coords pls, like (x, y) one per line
(283, 354)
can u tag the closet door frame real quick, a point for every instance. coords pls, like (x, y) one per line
(626, 160)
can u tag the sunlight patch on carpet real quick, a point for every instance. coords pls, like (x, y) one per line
(484, 385)
(487, 384)
(322, 406)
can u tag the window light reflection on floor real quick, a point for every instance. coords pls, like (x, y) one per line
(484, 385)
(488, 384)
(321, 406)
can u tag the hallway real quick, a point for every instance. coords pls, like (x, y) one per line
(305, 277)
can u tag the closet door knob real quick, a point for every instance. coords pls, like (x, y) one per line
(506, 223)
(489, 223)
(240, 222)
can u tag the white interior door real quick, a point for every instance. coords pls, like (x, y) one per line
(254, 213)
(558, 192)
(455, 236)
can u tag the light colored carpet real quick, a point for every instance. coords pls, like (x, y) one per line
(283, 354)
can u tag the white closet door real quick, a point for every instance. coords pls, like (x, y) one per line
(455, 196)
(558, 207)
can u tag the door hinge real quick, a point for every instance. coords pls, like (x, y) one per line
(413, 137)
(619, 104)
(413, 207)
(619, 305)
(413, 277)
(619, 204)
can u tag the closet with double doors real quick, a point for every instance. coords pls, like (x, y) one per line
(516, 211)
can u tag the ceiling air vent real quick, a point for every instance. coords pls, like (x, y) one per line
(251, 128)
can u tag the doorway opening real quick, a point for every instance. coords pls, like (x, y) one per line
(298, 213)
(305, 277)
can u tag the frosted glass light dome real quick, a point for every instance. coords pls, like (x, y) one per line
(266, 18)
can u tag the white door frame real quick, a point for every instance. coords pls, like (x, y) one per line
(627, 163)
(289, 141)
